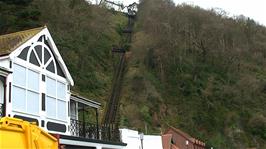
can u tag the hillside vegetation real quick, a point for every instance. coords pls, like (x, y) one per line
(83, 33)
(199, 71)
(193, 69)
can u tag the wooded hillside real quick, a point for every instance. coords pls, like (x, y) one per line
(83, 33)
(193, 69)
(199, 71)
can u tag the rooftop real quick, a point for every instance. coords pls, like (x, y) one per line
(9, 42)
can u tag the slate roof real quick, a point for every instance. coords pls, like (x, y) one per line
(9, 42)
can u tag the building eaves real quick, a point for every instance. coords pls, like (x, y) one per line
(85, 100)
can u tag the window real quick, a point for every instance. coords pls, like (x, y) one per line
(1, 93)
(42, 69)
(19, 98)
(51, 107)
(33, 80)
(61, 106)
(73, 110)
(24, 53)
(51, 87)
(56, 106)
(42, 55)
(61, 90)
(25, 90)
(33, 102)
(19, 75)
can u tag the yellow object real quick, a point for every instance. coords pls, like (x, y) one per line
(19, 134)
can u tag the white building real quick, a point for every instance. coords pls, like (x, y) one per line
(133, 140)
(35, 86)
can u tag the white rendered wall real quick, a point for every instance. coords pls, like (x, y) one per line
(132, 139)
(152, 142)
(4, 62)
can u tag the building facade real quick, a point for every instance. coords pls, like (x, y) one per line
(35, 86)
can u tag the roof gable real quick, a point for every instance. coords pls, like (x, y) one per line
(14, 44)
(185, 135)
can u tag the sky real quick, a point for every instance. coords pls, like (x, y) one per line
(255, 9)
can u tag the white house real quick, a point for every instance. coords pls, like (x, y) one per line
(35, 86)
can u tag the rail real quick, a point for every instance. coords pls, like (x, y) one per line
(112, 109)
(83, 129)
(106, 132)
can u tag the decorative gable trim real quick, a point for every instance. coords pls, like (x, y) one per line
(52, 46)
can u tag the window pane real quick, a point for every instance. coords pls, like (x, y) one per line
(73, 108)
(38, 50)
(24, 53)
(47, 55)
(51, 87)
(41, 38)
(61, 90)
(50, 107)
(51, 67)
(33, 80)
(19, 75)
(61, 109)
(33, 103)
(59, 70)
(33, 59)
(19, 98)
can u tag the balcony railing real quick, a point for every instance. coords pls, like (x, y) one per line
(107, 132)
(2, 110)
(83, 129)
(110, 132)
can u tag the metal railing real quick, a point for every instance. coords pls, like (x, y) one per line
(2, 110)
(83, 129)
(106, 132)
(110, 132)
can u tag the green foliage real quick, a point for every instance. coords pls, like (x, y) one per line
(257, 125)
(16, 15)
(145, 113)
(83, 33)
(193, 69)
(206, 70)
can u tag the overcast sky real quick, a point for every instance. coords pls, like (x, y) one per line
(255, 9)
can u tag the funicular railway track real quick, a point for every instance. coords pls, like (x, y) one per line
(112, 108)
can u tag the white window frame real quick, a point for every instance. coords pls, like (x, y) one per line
(58, 79)
(42, 71)
(26, 88)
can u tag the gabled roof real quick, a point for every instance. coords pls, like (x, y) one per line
(187, 136)
(10, 42)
